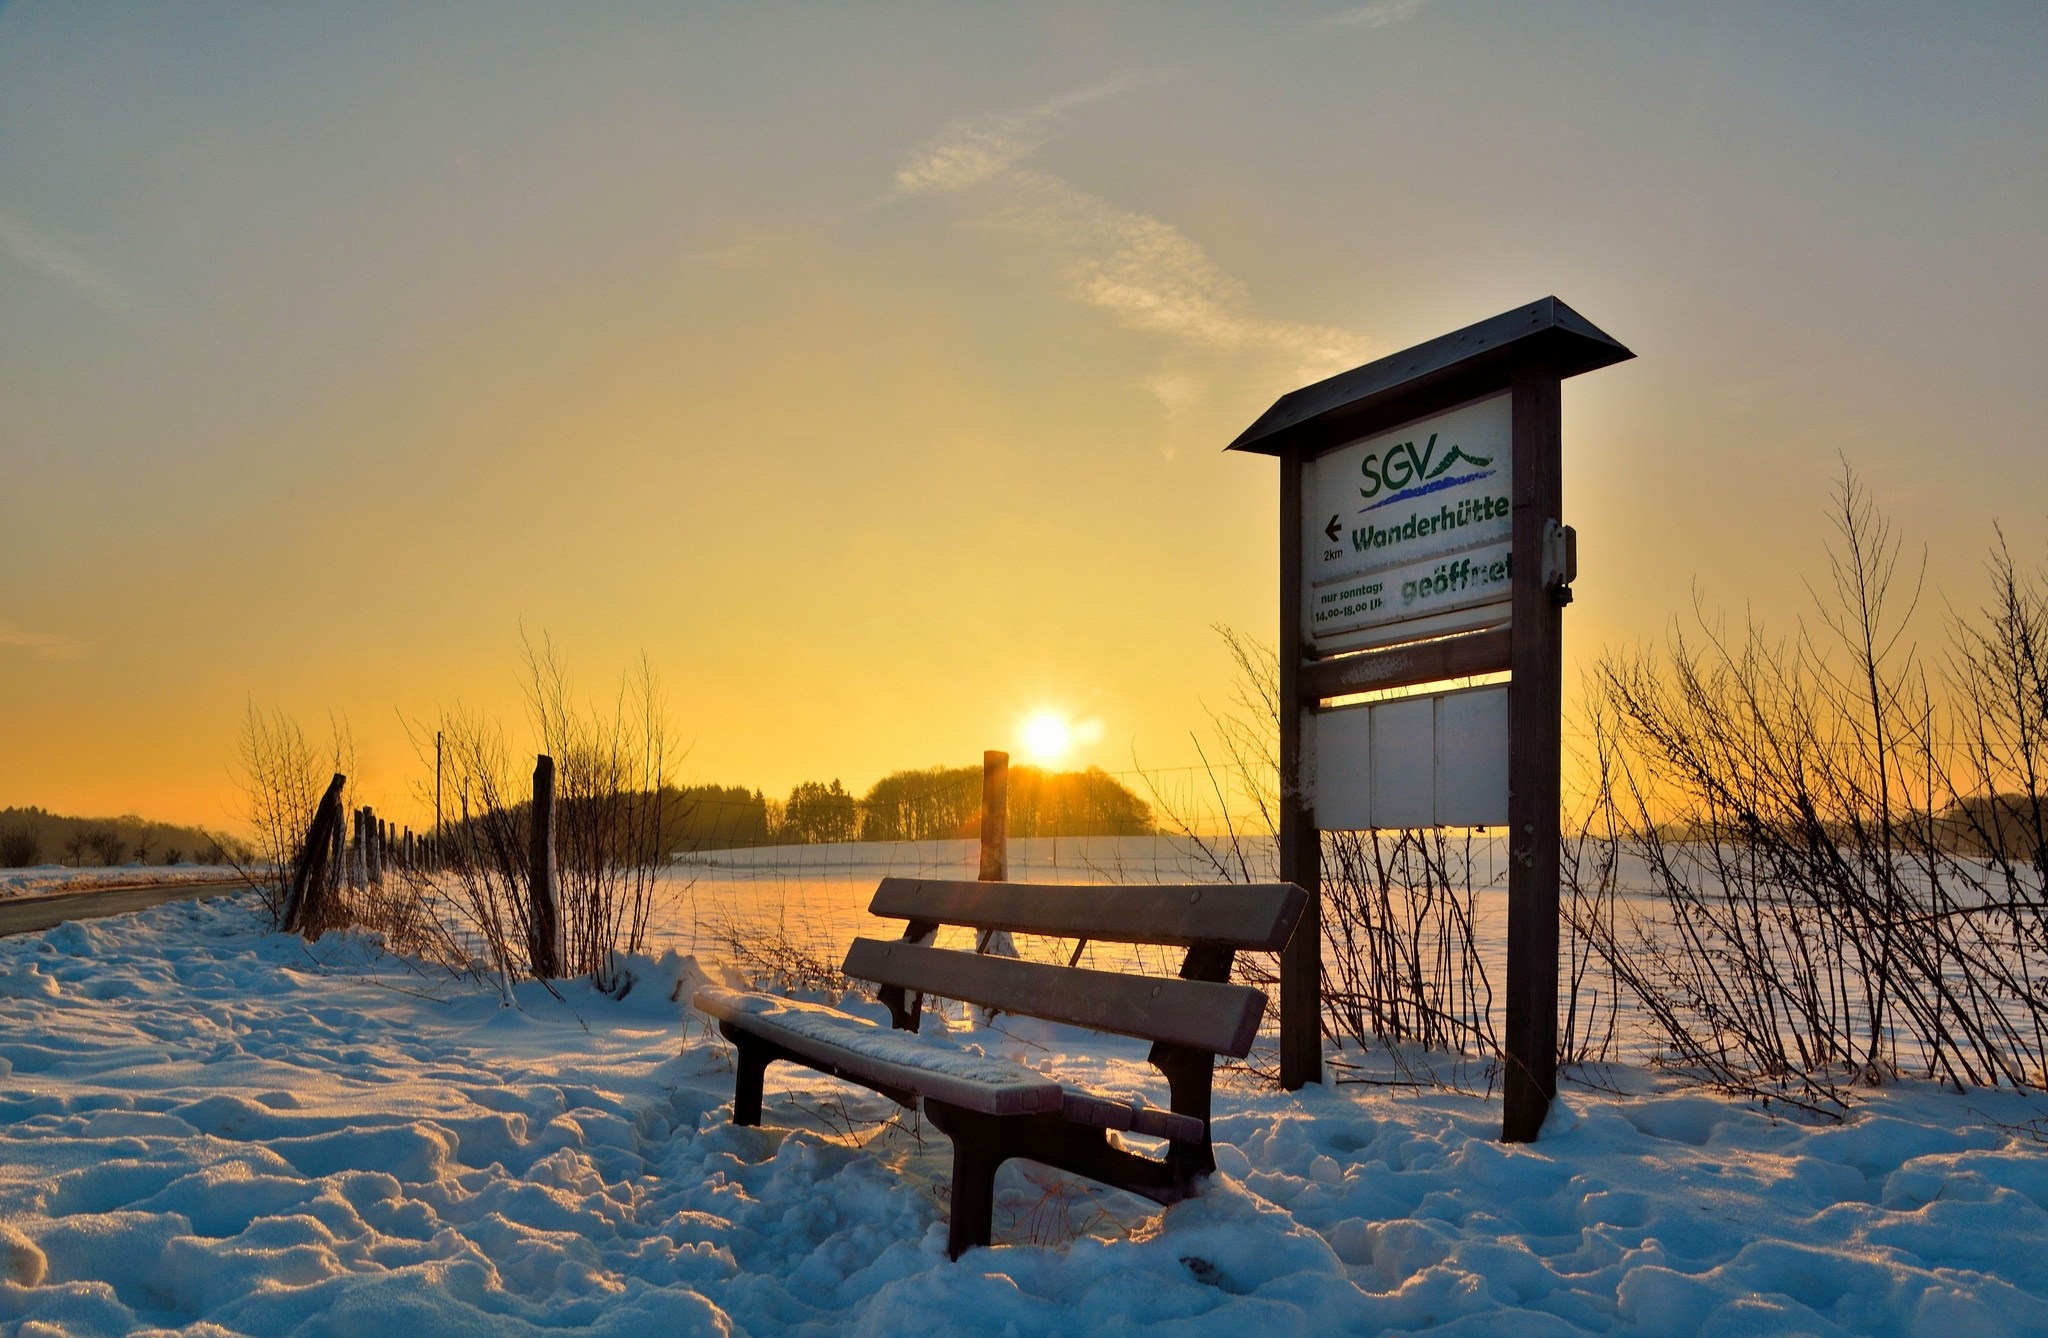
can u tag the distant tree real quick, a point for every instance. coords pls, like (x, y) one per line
(820, 813)
(173, 856)
(107, 844)
(143, 845)
(934, 804)
(20, 847)
(1074, 803)
(713, 817)
(75, 845)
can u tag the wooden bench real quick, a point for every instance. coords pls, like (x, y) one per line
(994, 1110)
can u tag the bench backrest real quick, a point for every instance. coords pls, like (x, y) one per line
(1212, 921)
(1252, 917)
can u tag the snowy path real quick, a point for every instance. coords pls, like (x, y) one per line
(207, 1129)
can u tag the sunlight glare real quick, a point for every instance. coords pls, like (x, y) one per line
(1046, 736)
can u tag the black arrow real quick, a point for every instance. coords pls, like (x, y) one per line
(1335, 527)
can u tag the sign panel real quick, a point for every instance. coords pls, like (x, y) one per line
(1407, 533)
(1424, 761)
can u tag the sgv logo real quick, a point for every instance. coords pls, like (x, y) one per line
(1403, 465)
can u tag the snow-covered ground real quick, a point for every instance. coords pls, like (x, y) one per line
(42, 879)
(207, 1128)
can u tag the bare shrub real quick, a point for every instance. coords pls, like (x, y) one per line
(611, 808)
(1845, 867)
(484, 853)
(1401, 960)
(408, 912)
(282, 780)
(775, 959)
(611, 768)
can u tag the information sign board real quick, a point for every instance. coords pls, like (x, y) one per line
(1407, 533)
(1407, 560)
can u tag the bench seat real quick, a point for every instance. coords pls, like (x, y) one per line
(900, 1060)
(901, 1064)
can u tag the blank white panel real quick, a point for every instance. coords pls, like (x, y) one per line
(1344, 769)
(1472, 758)
(1404, 763)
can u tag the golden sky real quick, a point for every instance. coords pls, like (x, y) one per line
(869, 367)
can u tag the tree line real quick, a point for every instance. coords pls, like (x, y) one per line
(32, 836)
(928, 804)
(944, 803)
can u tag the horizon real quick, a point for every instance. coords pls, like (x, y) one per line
(871, 373)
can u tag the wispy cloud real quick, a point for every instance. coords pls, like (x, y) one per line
(975, 149)
(42, 645)
(1377, 15)
(1140, 271)
(1148, 275)
(25, 247)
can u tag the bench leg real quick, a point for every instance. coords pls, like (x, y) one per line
(1191, 1075)
(975, 1161)
(746, 1092)
(982, 1143)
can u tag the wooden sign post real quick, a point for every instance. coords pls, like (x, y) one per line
(1422, 540)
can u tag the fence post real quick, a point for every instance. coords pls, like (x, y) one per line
(337, 854)
(373, 837)
(544, 923)
(995, 817)
(995, 842)
(305, 899)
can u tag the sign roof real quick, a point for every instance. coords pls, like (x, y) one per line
(1461, 365)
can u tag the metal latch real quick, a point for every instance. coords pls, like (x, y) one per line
(1560, 560)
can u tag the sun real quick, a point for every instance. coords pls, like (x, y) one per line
(1047, 737)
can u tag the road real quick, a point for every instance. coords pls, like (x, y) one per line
(22, 915)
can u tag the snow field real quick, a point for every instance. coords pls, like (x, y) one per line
(206, 1128)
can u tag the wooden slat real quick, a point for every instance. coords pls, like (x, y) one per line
(1252, 917)
(1405, 666)
(1222, 1019)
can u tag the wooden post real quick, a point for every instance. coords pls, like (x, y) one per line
(305, 898)
(1301, 845)
(544, 920)
(995, 817)
(437, 798)
(995, 844)
(373, 828)
(1534, 744)
(337, 861)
